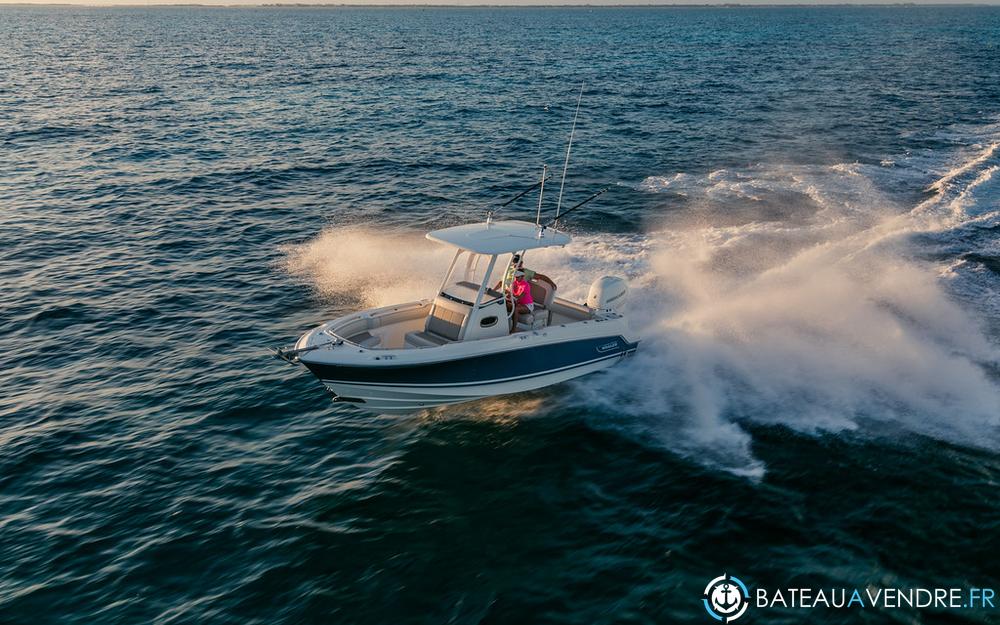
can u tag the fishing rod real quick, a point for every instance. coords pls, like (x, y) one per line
(570, 210)
(492, 211)
(541, 192)
(569, 146)
(525, 192)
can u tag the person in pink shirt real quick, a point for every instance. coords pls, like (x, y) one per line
(520, 290)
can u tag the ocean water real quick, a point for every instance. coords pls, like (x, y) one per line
(806, 202)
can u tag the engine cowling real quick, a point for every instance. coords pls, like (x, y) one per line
(607, 293)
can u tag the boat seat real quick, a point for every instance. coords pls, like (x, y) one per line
(425, 339)
(442, 326)
(366, 339)
(542, 292)
(535, 321)
(444, 323)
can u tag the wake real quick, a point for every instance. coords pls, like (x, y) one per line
(824, 319)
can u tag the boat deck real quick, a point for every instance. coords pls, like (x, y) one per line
(391, 333)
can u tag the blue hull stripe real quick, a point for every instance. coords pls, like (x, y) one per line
(483, 369)
(484, 382)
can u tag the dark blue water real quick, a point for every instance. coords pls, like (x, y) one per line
(806, 203)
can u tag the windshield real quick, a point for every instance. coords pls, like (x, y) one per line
(469, 272)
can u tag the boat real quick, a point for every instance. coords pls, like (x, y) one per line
(466, 342)
(470, 341)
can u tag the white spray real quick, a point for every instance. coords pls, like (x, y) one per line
(820, 322)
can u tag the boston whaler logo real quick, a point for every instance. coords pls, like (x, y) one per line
(726, 598)
(608, 346)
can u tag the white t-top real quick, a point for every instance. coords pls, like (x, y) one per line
(499, 237)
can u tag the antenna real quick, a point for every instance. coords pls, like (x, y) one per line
(569, 146)
(541, 192)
